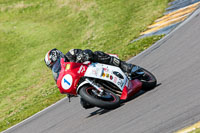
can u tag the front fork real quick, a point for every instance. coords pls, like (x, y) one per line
(96, 86)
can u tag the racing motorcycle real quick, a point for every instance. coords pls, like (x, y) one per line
(102, 85)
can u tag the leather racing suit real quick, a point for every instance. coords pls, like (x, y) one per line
(79, 56)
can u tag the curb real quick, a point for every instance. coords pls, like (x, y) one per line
(190, 128)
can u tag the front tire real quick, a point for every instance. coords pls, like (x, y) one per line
(108, 100)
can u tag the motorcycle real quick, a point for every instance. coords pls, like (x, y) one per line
(102, 85)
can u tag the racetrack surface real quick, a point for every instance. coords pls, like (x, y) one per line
(172, 105)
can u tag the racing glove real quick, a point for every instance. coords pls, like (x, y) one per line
(85, 55)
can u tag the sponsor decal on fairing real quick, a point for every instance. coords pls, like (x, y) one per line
(107, 72)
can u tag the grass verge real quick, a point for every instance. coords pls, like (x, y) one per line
(196, 131)
(28, 29)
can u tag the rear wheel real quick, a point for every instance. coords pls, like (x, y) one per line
(148, 80)
(108, 100)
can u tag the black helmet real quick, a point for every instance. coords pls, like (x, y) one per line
(51, 57)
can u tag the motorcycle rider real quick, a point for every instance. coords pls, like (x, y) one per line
(52, 60)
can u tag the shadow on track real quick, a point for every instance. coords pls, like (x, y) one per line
(103, 111)
(99, 112)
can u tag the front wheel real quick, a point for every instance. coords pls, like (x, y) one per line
(108, 100)
(148, 80)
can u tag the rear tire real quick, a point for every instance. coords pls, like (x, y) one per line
(108, 101)
(148, 80)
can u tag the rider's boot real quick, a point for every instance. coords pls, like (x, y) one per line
(130, 69)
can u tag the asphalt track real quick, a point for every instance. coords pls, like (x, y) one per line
(174, 104)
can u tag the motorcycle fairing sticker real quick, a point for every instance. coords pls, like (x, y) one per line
(81, 69)
(105, 72)
(67, 81)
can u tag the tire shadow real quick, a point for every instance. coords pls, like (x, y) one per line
(99, 112)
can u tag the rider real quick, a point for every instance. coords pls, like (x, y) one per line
(52, 60)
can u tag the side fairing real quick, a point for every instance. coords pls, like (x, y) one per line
(107, 72)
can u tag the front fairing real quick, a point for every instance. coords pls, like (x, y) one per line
(69, 76)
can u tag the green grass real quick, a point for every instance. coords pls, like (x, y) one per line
(28, 29)
(195, 131)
